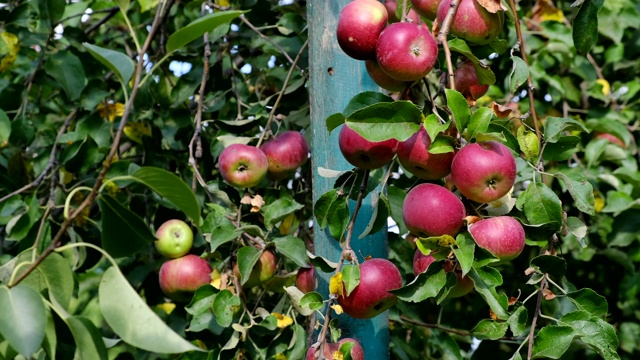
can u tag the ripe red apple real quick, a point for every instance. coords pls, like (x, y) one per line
(406, 51)
(262, 271)
(359, 26)
(242, 165)
(611, 138)
(502, 236)
(357, 353)
(467, 81)
(472, 22)
(432, 210)
(363, 153)
(305, 279)
(382, 79)
(421, 263)
(415, 157)
(285, 153)
(426, 8)
(182, 276)
(484, 172)
(174, 238)
(371, 297)
(392, 5)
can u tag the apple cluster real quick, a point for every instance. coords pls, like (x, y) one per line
(245, 166)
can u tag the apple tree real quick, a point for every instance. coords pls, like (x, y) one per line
(281, 179)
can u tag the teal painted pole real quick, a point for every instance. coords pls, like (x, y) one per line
(334, 80)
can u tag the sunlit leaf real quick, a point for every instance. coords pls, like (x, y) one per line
(199, 27)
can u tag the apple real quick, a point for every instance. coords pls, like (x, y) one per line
(382, 79)
(363, 153)
(414, 156)
(472, 22)
(359, 25)
(357, 353)
(182, 276)
(242, 165)
(432, 210)
(371, 297)
(611, 138)
(421, 263)
(406, 51)
(174, 238)
(305, 279)
(426, 8)
(484, 172)
(502, 236)
(285, 153)
(392, 5)
(467, 81)
(262, 271)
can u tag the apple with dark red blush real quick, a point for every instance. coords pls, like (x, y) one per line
(421, 263)
(426, 8)
(286, 153)
(406, 51)
(472, 22)
(180, 277)
(242, 165)
(392, 5)
(305, 279)
(467, 81)
(263, 270)
(359, 25)
(502, 236)
(415, 157)
(365, 154)
(432, 210)
(357, 353)
(382, 79)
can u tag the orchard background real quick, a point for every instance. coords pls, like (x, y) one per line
(114, 113)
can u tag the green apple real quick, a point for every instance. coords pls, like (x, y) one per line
(174, 239)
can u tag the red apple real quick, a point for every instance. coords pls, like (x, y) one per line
(406, 51)
(357, 353)
(432, 210)
(611, 138)
(262, 271)
(182, 276)
(415, 157)
(174, 238)
(426, 8)
(363, 153)
(484, 172)
(392, 5)
(502, 236)
(472, 22)
(305, 279)
(371, 297)
(243, 165)
(382, 79)
(421, 263)
(467, 81)
(359, 26)
(286, 152)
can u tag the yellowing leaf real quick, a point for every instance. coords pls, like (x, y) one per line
(167, 307)
(606, 88)
(286, 224)
(335, 284)
(112, 188)
(545, 10)
(8, 50)
(110, 111)
(337, 355)
(216, 279)
(223, 3)
(599, 204)
(528, 142)
(282, 320)
(281, 356)
(136, 130)
(337, 308)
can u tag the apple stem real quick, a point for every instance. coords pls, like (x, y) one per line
(442, 39)
(404, 11)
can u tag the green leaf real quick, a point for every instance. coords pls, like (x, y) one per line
(171, 187)
(561, 150)
(552, 265)
(248, 256)
(5, 128)
(580, 189)
(490, 330)
(434, 127)
(554, 127)
(51, 10)
(123, 232)
(518, 321)
(322, 206)
(529, 145)
(381, 210)
(577, 228)
(485, 281)
(595, 332)
(442, 144)
(479, 122)
(552, 341)
(484, 74)
(199, 27)
(339, 218)
(333, 121)
(133, 321)
(223, 307)
(50, 342)
(321, 263)
(119, 63)
(279, 209)
(459, 107)
(54, 275)
(426, 285)
(217, 228)
(519, 74)
(89, 343)
(295, 295)
(590, 301)
(585, 26)
(509, 139)
(350, 277)
(383, 121)
(67, 70)
(23, 319)
(464, 250)
(312, 300)
(293, 248)
(365, 99)
(540, 205)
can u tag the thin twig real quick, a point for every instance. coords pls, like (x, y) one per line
(442, 39)
(112, 12)
(543, 285)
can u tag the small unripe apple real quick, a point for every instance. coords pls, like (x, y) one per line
(305, 279)
(174, 238)
(406, 51)
(392, 5)
(415, 157)
(432, 210)
(472, 22)
(242, 165)
(262, 271)
(467, 81)
(421, 263)
(182, 276)
(426, 8)
(359, 26)
(502, 236)
(382, 79)
(484, 172)
(365, 154)
(285, 153)
(371, 297)
(357, 353)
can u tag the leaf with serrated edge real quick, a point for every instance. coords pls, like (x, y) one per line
(490, 330)
(552, 341)
(580, 189)
(484, 281)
